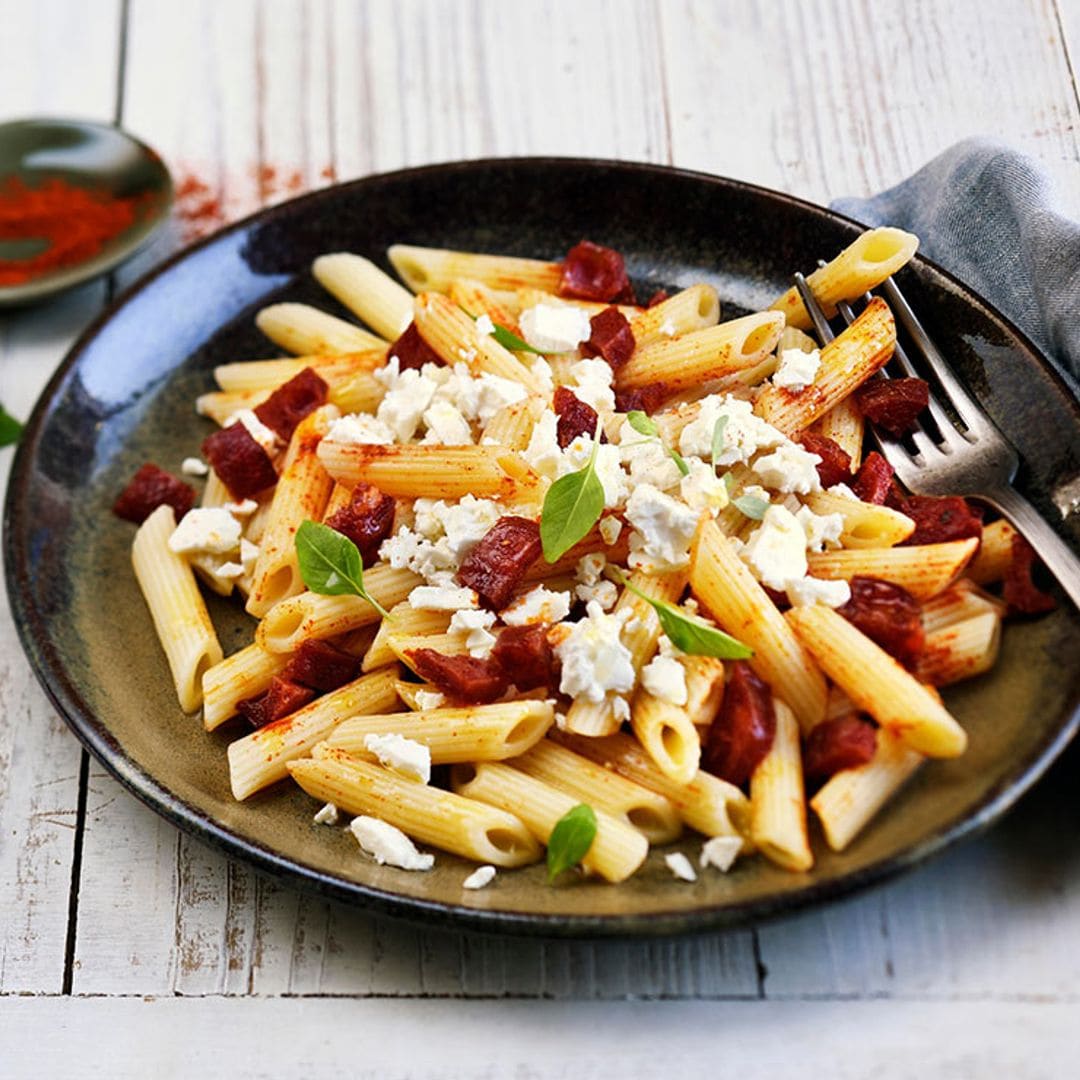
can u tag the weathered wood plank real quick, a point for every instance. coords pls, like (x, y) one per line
(39, 758)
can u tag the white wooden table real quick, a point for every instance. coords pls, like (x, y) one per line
(128, 949)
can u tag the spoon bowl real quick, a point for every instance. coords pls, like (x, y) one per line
(99, 158)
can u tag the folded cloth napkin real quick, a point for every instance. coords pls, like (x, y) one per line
(986, 213)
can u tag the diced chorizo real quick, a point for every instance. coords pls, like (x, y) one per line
(611, 337)
(1018, 588)
(150, 488)
(575, 417)
(243, 466)
(938, 520)
(893, 404)
(743, 731)
(842, 743)
(874, 479)
(657, 297)
(367, 520)
(468, 680)
(593, 272)
(412, 350)
(291, 402)
(646, 399)
(495, 567)
(888, 615)
(835, 464)
(526, 657)
(282, 699)
(321, 666)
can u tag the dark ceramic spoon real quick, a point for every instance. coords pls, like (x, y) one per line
(84, 154)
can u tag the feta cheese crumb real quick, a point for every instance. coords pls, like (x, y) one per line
(680, 866)
(789, 468)
(721, 852)
(702, 489)
(620, 708)
(405, 403)
(539, 605)
(484, 325)
(797, 369)
(608, 469)
(442, 598)
(266, 438)
(594, 659)
(663, 529)
(244, 508)
(193, 466)
(388, 845)
(605, 593)
(445, 426)
(230, 571)
(360, 429)
(403, 755)
(665, 678)
(610, 528)
(328, 815)
(844, 491)
(476, 628)
(430, 699)
(820, 529)
(206, 529)
(744, 433)
(592, 384)
(776, 550)
(811, 590)
(249, 552)
(667, 328)
(554, 328)
(479, 878)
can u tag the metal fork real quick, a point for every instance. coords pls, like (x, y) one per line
(975, 459)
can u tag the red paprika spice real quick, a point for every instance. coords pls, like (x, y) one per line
(75, 222)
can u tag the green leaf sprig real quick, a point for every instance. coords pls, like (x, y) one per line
(330, 563)
(645, 425)
(718, 439)
(572, 506)
(10, 429)
(507, 338)
(751, 506)
(570, 840)
(692, 635)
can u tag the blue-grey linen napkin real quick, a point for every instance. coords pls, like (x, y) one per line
(986, 213)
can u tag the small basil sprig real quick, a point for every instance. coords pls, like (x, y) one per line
(718, 439)
(330, 563)
(572, 506)
(751, 506)
(645, 425)
(691, 635)
(570, 840)
(10, 428)
(507, 338)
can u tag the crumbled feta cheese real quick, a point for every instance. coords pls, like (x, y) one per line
(466, 521)
(230, 571)
(647, 460)
(266, 438)
(702, 489)
(605, 593)
(538, 605)
(476, 628)
(789, 468)
(360, 429)
(390, 372)
(665, 678)
(242, 509)
(542, 375)
(206, 529)
(484, 325)
(680, 866)
(594, 659)
(844, 491)
(442, 598)
(608, 470)
(328, 815)
(405, 403)
(249, 552)
(590, 568)
(797, 369)
(479, 878)
(820, 529)
(430, 699)
(667, 328)
(776, 550)
(744, 433)
(810, 590)
(388, 845)
(403, 755)
(476, 397)
(610, 528)
(721, 852)
(554, 328)
(620, 708)
(663, 529)
(543, 453)
(445, 426)
(193, 466)
(592, 384)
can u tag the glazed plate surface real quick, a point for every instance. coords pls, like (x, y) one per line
(125, 395)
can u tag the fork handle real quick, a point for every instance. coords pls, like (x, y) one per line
(1054, 552)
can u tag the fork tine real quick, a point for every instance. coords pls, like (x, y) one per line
(813, 309)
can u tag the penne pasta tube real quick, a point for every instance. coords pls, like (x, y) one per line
(850, 798)
(617, 849)
(704, 689)
(844, 424)
(863, 265)
(405, 620)
(706, 354)
(846, 362)
(361, 392)
(866, 525)
(312, 615)
(433, 269)
(923, 569)
(711, 805)
(592, 542)
(256, 524)
(695, 308)
(215, 493)
(958, 602)
(529, 296)
(401, 645)
(411, 471)
(301, 494)
(304, 331)
(270, 374)
(512, 425)
(410, 694)
(740, 606)
(995, 553)
(473, 733)
(650, 813)
(244, 674)
(667, 734)
(474, 830)
(340, 497)
(877, 684)
(221, 405)
(371, 294)
(477, 299)
(961, 650)
(179, 613)
(778, 801)
(260, 759)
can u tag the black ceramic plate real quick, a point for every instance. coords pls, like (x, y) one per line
(124, 395)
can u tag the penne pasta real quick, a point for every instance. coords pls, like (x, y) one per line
(667, 734)
(433, 269)
(866, 525)
(961, 650)
(512, 425)
(689, 310)
(304, 331)
(994, 554)
(359, 393)
(964, 600)
(371, 294)
(244, 674)
(704, 689)
(477, 299)
(844, 424)
(923, 569)
(405, 620)
(248, 375)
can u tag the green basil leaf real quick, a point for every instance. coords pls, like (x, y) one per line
(570, 840)
(330, 563)
(642, 424)
(509, 340)
(718, 438)
(572, 506)
(729, 482)
(751, 505)
(680, 463)
(10, 428)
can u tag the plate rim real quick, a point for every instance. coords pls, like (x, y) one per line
(97, 740)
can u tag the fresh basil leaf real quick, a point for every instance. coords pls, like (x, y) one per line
(718, 438)
(729, 482)
(642, 423)
(680, 462)
(509, 340)
(751, 505)
(570, 840)
(572, 506)
(10, 428)
(330, 563)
